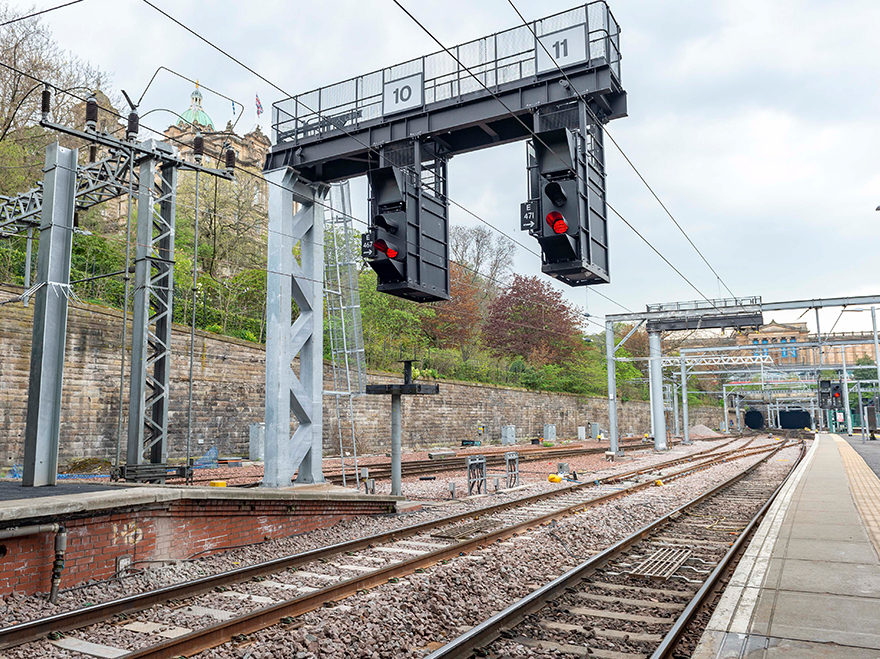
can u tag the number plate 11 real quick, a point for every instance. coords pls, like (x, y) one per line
(568, 46)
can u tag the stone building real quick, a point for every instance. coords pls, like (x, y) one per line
(251, 148)
(782, 341)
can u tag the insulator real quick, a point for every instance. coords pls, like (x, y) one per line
(92, 113)
(133, 126)
(46, 103)
(93, 152)
(199, 147)
(230, 159)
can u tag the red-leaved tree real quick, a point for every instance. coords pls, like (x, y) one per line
(533, 320)
(456, 322)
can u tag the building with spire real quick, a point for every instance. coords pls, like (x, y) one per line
(250, 148)
(195, 115)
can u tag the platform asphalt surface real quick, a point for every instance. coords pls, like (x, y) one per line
(12, 490)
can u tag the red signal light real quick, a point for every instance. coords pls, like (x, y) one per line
(557, 222)
(383, 247)
(837, 394)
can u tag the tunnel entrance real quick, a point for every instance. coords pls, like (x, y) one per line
(754, 419)
(794, 419)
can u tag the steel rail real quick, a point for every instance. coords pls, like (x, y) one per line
(489, 630)
(493, 459)
(213, 635)
(35, 629)
(670, 640)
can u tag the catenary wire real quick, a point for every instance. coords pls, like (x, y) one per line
(262, 179)
(535, 136)
(619, 148)
(342, 128)
(38, 13)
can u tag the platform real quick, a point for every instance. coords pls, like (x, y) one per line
(113, 526)
(809, 583)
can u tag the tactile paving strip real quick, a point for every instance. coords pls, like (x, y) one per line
(865, 488)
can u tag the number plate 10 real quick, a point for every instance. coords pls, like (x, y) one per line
(568, 46)
(403, 94)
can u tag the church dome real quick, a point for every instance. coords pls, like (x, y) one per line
(195, 114)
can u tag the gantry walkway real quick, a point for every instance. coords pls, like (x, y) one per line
(809, 583)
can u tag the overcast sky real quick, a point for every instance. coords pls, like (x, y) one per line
(758, 124)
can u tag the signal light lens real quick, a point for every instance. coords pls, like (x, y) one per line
(555, 220)
(383, 247)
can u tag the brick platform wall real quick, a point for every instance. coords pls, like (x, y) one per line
(229, 382)
(177, 530)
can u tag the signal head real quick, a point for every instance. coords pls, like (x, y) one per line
(557, 222)
(555, 193)
(382, 221)
(386, 249)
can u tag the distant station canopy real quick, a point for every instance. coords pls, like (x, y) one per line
(403, 123)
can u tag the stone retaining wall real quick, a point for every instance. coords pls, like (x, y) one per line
(229, 382)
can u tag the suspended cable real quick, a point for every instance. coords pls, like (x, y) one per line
(605, 130)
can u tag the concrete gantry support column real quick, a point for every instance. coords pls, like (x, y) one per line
(612, 389)
(50, 318)
(686, 437)
(396, 450)
(657, 415)
(290, 282)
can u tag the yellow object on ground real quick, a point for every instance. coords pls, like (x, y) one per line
(658, 482)
(554, 478)
(217, 484)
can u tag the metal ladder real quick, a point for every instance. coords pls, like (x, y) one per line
(344, 326)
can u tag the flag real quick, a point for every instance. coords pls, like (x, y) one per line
(259, 106)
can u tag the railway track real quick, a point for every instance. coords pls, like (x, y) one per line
(636, 598)
(208, 611)
(494, 459)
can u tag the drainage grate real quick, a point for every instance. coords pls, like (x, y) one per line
(464, 530)
(662, 564)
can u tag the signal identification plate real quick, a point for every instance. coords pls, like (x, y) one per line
(566, 47)
(403, 94)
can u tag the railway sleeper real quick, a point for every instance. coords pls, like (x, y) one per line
(576, 650)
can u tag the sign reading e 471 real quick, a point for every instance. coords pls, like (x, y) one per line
(562, 48)
(403, 94)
